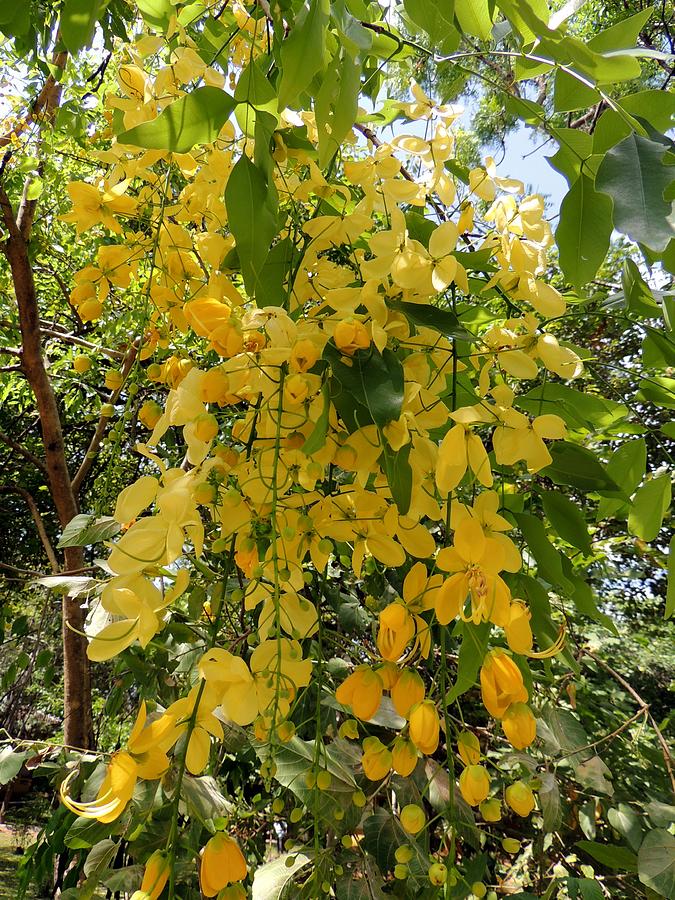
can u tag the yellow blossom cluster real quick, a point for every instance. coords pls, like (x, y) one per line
(299, 419)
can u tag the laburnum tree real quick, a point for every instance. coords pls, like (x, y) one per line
(376, 469)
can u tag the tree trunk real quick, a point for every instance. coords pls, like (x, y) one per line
(78, 727)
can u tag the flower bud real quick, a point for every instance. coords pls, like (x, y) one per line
(403, 756)
(474, 784)
(113, 380)
(206, 427)
(425, 727)
(520, 798)
(520, 726)
(468, 748)
(412, 818)
(397, 628)
(438, 874)
(501, 683)
(156, 874)
(376, 759)
(408, 690)
(81, 364)
(491, 810)
(362, 690)
(350, 336)
(222, 862)
(517, 629)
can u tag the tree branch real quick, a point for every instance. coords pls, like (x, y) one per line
(665, 750)
(31, 457)
(37, 518)
(98, 434)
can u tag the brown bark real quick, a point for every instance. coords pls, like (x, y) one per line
(78, 727)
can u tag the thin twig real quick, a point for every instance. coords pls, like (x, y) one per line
(665, 750)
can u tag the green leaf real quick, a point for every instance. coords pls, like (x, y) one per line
(86, 529)
(658, 107)
(567, 519)
(580, 468)
(317, 438)
(579, 409)
(272, 880)
(471, 655)
(656, 862)
(571, 94)
(295, 758)
(649, 506)
(252, 216)
(428, 316)
(584, 889)
(548, 559)
(436, 19)
(399, 474)
(84, 833)
(549, 798)
(11, 762)
(622, 35)
(78, 20)
(99, 857)
(639, 298)
(562, 731)
(156, 13)
(373, 379)
(626, 466)
(194, 119)
(583, 232)
(474, 18)
(658, 350)
(336, 105)
(633, 174)
(670, 592)
(610, 855)
(302, 52)
(594, 774)
(276, 271)
(627, 822)
(254, 88)
(659, 390)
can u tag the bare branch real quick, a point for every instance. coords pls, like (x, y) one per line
(102, 425)
(37, 518)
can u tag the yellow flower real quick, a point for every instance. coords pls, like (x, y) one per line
(468, 748)
(397, 628)
(461, 449)
(205, 726)
(407, 692)
(205, 314)
(222, 863)
(520, 726)
(474, 784)
(484, 509)
(425, 727)
(476, 563)
(92, 204)
(145, 757)
(520, 798)
(501, 683)
(362, 691)
(376, 759)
